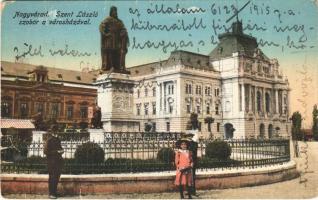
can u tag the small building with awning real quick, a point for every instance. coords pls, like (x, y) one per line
(21, 128)
(17, 124)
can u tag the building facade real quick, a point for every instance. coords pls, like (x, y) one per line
(236, 90)
(64, 95)
(237, 85)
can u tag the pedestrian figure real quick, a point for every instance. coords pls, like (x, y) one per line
(193, 147)
(184, 164)
(53, 151)
(296, 148)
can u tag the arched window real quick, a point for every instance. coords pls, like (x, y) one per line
(216, 109)
(69, 111)
(208, 109)
(154, 91)
(268, 102)
(146, 107)
(259, 101)
(138, 109)
(170, 108)
(6, 109)
(39, 107)
(55, 107)
(24, 109)
(83, 111)
(153, 108)
(285, 105)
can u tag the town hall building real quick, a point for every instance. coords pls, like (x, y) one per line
(236, 84)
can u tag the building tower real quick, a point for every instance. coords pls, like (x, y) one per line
(254, 93)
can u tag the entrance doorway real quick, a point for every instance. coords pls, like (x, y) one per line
(229, 130)
(270, 131)
(262, 130)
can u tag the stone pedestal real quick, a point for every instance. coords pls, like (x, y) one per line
(37, 139)
(37, 136)
(115, 98)
(96, 135)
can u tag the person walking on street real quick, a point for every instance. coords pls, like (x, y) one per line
(53, 151)
(184, 164)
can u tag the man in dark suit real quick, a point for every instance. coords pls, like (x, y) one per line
(53, 151)
(193, 147)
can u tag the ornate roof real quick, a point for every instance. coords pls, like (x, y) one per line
(185, 58)
(235, 41)
(23, 70)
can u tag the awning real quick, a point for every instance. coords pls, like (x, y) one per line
(17, 123)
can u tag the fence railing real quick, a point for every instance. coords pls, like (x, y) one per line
(137, 152)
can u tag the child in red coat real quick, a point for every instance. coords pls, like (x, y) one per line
(184, 164)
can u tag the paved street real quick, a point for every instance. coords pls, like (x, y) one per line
(304, 187)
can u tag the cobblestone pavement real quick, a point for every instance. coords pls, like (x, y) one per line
(304, 187)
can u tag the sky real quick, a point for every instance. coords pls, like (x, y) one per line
(286, 31)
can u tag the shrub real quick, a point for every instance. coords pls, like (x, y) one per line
(148, 127)
(218, 149)
(36, 160)
(206, 162)
(9, 154)
(89, 153)
(16, 152)
(23, 148)
(166, 155)
(117, 165)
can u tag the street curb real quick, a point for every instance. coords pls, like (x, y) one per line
(147, 182)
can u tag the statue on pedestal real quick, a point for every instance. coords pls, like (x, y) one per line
(96, 120)
(38, 122)
(114, 43)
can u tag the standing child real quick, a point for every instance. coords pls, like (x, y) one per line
(184, 164)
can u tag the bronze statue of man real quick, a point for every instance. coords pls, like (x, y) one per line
(97, 117)
(114, 42)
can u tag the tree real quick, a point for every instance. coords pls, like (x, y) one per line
(209, 121)
(315, 122)
(148, 127)
(296, 126)
(194, 121)
(218, 149)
